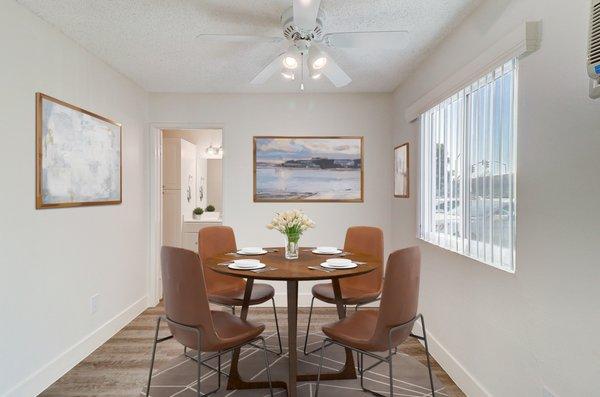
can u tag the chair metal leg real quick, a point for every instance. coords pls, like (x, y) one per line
(312, 301)
(390, 361)
(323, 346)
(202, 362)
(277, 327)
(361, 372)
(427, 355)
(199, 393)
(153, 356)
(267, 365)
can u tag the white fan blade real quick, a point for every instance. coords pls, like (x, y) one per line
(239, 38)
(333, 72)
(268, 70)
(305, 13)
(386, 40)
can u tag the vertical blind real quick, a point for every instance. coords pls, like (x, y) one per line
(467, 183)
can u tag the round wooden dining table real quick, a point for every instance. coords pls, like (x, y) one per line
(305, 268)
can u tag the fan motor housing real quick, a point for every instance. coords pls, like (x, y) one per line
(293, 32)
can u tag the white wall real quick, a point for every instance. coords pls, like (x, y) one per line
(244, 116)
(54, 260)
(214, 186)
(498, 333)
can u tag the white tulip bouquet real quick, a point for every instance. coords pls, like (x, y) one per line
(291, 224)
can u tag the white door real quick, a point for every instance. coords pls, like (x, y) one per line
(171, 221)
(188, 178)
(171, 163)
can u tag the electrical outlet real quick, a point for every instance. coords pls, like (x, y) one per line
(94, 303)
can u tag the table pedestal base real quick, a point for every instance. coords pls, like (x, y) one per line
(347, 372)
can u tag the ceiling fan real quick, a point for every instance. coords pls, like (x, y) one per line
(303, 41)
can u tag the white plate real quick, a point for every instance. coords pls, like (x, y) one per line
(348, 266)
(252, 251)
(246, 262)
(236, 267)
(326, 249)
(319, 252)
(338, 262)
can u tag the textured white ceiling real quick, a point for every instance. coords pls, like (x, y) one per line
(154, 42)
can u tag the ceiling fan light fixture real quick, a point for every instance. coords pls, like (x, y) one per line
(315, 76)
(319, 62)
(288, 75)
(290, 62)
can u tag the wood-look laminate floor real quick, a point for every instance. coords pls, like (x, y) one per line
(120, 366)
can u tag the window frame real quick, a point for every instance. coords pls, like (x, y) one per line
(464, 134)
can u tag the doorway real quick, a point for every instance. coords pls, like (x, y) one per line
(187, 191)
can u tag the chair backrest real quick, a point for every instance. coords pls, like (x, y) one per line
(213, 241)
(368, 241)
(185, 297)
(400, 296)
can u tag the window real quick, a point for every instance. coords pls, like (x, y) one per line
(467, 182)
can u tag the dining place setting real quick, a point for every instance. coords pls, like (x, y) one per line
(256, 266)
(234, 277)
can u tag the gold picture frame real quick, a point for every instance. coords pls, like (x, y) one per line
(313, 197)
(41, 197)
(402, 171)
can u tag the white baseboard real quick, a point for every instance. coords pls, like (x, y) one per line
(459, 374)
(37, 382)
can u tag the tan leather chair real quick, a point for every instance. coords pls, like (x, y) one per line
(358, 290)
(226, 290)
(381, 330)
(190, 319)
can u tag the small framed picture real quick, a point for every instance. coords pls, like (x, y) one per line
(401, 171)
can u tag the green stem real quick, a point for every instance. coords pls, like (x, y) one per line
(293, 237)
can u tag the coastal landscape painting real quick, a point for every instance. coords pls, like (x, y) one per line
(78, 156)
(308, 169)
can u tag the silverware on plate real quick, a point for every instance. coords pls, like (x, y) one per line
(264, 269)
(321, 268)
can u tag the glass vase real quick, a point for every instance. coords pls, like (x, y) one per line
(291, 246)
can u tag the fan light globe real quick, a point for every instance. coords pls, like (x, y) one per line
(315, 76)
(319, 63)
(287, 75)
(290, 62)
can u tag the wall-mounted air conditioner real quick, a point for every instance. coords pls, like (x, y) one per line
(593, 62)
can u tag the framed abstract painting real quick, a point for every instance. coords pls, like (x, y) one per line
(78, 156)
(401, 171)
(308, 169)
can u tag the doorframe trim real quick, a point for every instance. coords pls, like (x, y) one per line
(155, 207)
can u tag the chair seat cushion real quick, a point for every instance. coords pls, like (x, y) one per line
(230, 331)
(350, 296)
(233, 331)
(235, 297)
(356, 330)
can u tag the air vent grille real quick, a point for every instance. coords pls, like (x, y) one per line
(594, 54)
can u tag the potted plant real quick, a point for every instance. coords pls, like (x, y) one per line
(198, 212)
(210, 208)
(291, 224)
